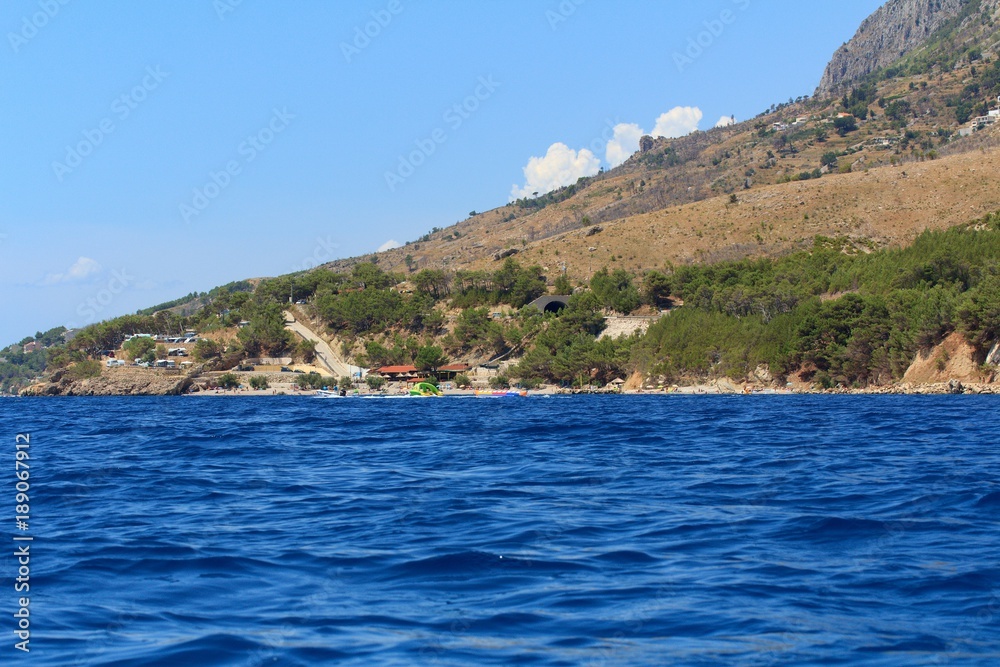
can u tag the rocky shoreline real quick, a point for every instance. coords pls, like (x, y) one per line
(145, 382)
(903, 389)
(116, 382)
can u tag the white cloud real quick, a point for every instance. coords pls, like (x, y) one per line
(389, 245)
(623, 144)
(726, 121)
(560, 167)
(564, 166)
(81, 269)
(678, 122)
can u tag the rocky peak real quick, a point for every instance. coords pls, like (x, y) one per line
(895, 30)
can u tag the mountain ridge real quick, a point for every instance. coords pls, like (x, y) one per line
(894, 31)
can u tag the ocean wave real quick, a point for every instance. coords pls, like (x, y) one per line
(703, 530)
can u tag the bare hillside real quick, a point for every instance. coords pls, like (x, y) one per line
(886, 160)
(875, 208)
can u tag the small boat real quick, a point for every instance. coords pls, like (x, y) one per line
(511, 393)
(327, 393)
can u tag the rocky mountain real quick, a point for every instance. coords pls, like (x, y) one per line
(899, 153)
(910, 142)
(897, 29)
(908, 88)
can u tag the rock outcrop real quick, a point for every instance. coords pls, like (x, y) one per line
(896, 29)
(953, 361)
(115, 382)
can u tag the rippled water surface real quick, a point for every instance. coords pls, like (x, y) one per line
(562, 531)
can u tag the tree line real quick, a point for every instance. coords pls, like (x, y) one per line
(841, 312)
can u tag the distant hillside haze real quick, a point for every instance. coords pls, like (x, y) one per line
(898, 28)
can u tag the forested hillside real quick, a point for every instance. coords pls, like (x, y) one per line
(827, 238)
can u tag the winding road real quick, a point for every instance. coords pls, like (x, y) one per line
(324, 353)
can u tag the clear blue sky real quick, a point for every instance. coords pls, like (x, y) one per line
(114, 113)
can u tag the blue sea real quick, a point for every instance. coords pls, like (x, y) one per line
(767, 530)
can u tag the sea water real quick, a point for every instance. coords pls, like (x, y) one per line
(562, 531)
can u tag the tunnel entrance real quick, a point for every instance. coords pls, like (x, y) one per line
(550, 304)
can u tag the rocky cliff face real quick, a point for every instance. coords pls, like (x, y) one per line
(114, 382)
(896, 29)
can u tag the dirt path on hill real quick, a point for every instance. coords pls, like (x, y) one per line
(324, 353)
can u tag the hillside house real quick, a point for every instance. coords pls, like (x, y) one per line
(882, 142)
(984, 121)
(33, 346)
